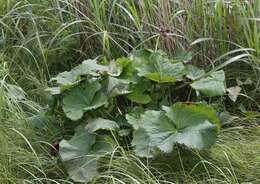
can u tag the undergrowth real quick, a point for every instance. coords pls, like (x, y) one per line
(39, 39)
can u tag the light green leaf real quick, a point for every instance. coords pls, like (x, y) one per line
(142, 144)
(133, 118)
(118, 86)
(101, 124)
(82, 99)
(213, 85)
(194, 72)
(184, 56)
(68, 79)
(81, 153)
(116, 68)
(157, 67)
(139, 98)
(54, 90)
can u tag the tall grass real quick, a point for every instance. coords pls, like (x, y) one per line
(39, 38)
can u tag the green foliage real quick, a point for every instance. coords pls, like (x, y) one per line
(83, 98)
(195, 126)
(213, 85)
(157, 67)
(91, 89)
(81, 153)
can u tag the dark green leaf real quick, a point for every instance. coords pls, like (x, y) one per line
(138, 92)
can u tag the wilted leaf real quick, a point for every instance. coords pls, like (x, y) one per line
(234, 92)
(246, 82)
(83, 98)
(213, 85)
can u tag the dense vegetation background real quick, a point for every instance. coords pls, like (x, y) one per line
(41, 38)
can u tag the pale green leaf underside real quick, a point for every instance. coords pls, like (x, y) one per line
(101, 124)
(213, 85)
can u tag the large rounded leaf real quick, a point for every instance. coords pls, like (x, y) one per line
(67, 79)
(195, 126)
(81, 153)
(157, 67)
(83, 98)
(213, 85)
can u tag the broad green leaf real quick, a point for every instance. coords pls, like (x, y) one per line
(184, 56)
(128, 70)
(133, 118)
(82, 99)
(80, 154)
(185, 112)
(118, 86)
(116, 68)
(68, 79)
(101, 124)
(194, 72)
(91, 67)
(139, 97)
(139, 92)
(160, 78)
(157, 67)
(213, 85)
(195, 126)
(142, 144)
